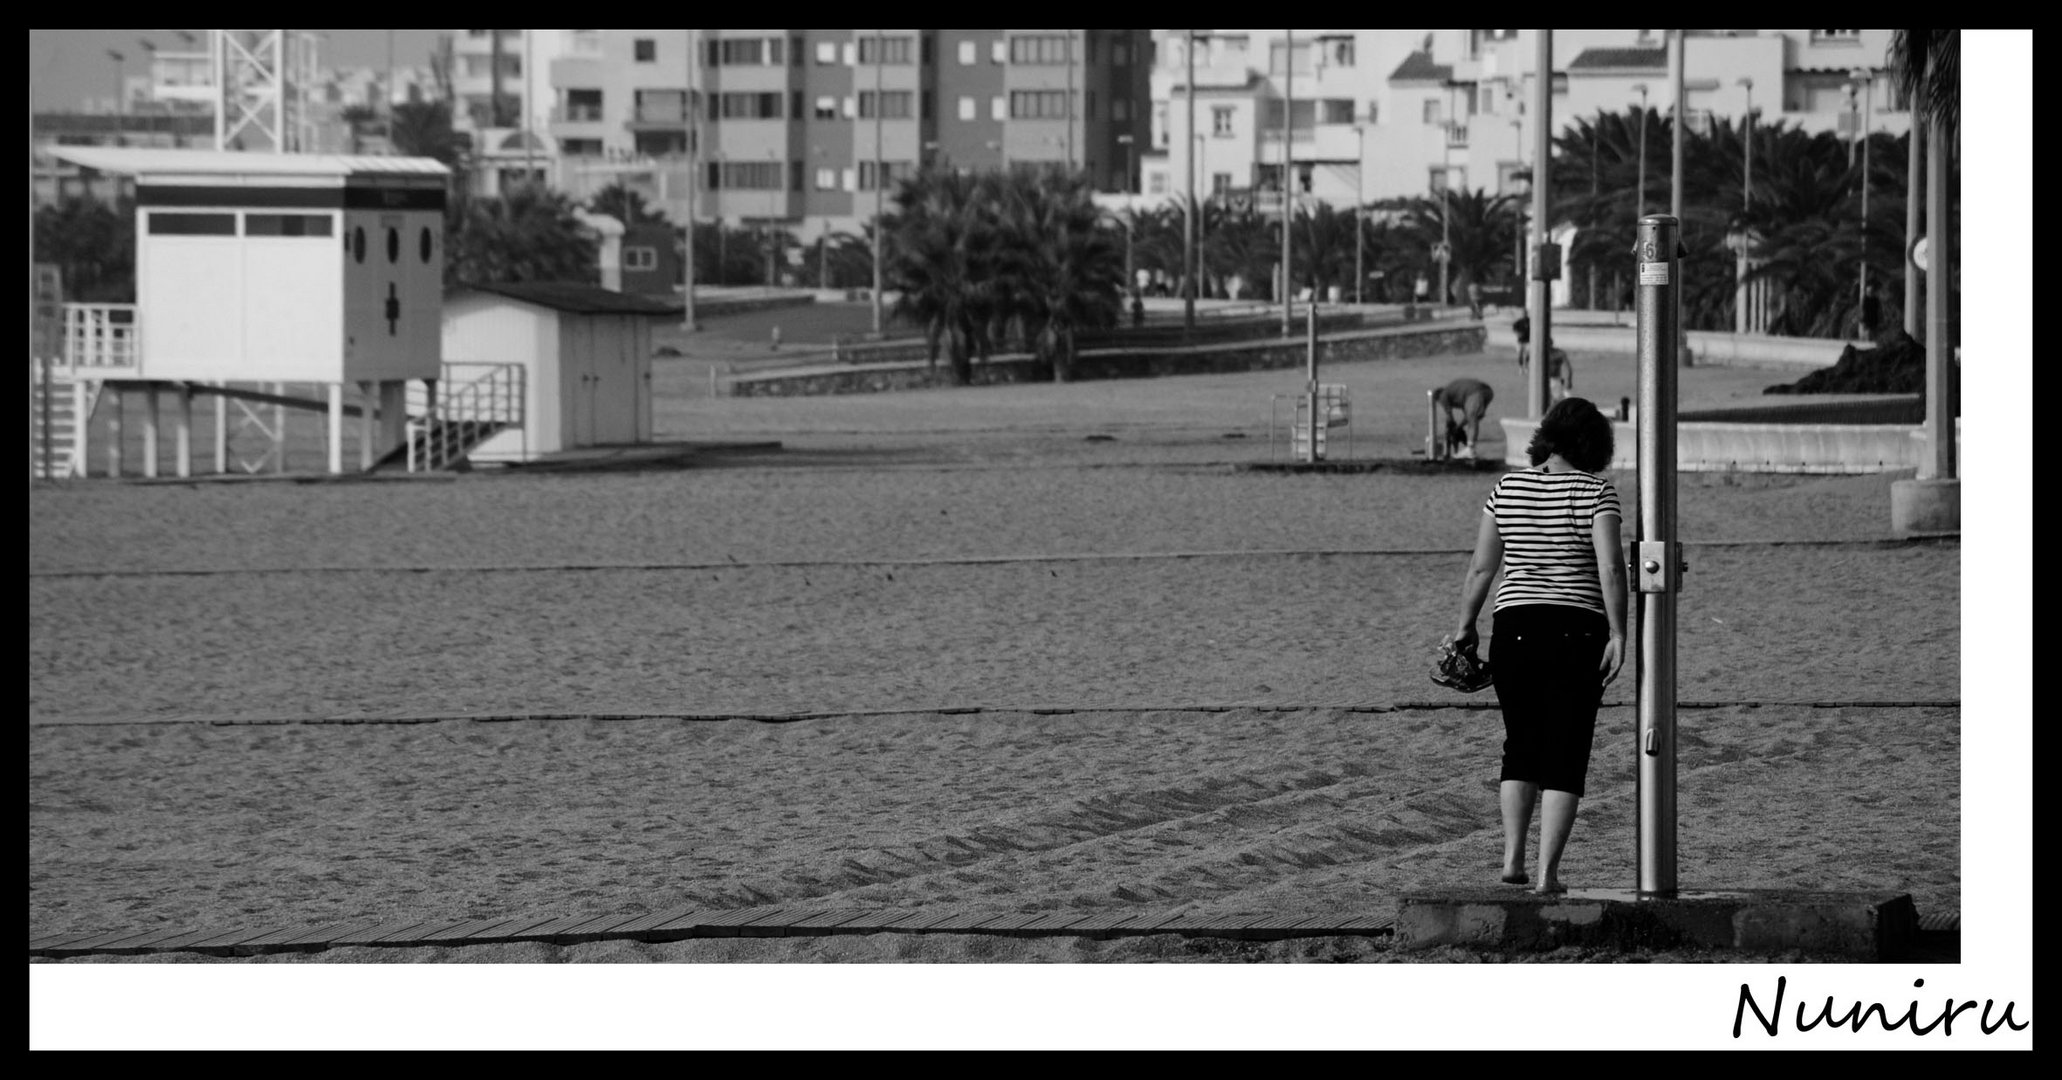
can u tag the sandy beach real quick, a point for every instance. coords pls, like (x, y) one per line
(1231, 668)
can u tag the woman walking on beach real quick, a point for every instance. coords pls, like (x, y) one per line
(1559, 633)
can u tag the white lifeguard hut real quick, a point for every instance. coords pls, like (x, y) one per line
(258, 270)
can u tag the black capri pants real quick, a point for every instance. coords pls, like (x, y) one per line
(1543, 662)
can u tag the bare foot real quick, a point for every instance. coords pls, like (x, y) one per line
(1515, 877)
(1549, 886)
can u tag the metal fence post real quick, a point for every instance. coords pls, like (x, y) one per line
(1658, 559)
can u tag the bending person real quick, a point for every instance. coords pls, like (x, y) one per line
(1463, 402)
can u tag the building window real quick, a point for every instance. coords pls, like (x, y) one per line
(285, 225)
(750, 106)
(1374, 112)
(1335, 111)
(923, 111)
(998, 51)
(848, 179)
(849, 107)
(1156, 184)
(1434, 112)
(1120, 53)
(849, 53)
(644, 50)
(893, 50)
(1220, 121)
(826, 52)
(967, 109)
(583, 105)
(967, 53)
(742, 51)
(1039, 49)
(1038, 104)
(928, 53)
(998, 108)
(661, 105)
(798, 50)
(1836, 37)
(826, 179)
(1220, 184)
(640, 258)
(894, 104)
(757, 175)
(826, 108)
(1337, 51)
(1160, 122)
(1120, 110)
(890, 171)
(1439, 176)
(580, 147)
(1088, 105)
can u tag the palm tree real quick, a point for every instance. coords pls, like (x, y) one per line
(626, 206)
(1478, 226)
(1067, 272)
(423, 129)
(944, 247)
(530, 234)
(93, 247)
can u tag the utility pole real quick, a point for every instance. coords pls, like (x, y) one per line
(1544, 263)
(1188, 217)
(694, 179)
(879, 187)
(1288, 164)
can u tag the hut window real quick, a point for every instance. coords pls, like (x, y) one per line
(358, 243)
(286, 225)
(427, 244)
(193, 224)
(393, 244)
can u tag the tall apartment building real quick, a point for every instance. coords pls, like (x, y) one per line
(788, 126)
(1378, 114)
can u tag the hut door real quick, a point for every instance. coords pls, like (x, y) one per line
(586, 385)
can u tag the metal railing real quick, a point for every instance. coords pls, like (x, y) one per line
(101, 339)
(476, 400)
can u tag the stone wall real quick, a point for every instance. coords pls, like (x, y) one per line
(1385, 344)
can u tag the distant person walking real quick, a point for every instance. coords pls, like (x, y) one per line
(1463, 403)
(1559, 632)
(1522, 327)
(1475, 299)
(1422, 289)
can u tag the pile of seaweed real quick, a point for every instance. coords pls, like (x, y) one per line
(1897, 366)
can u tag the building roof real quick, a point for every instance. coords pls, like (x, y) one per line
(577, 299)
(170, 164)
(1418, 67)
(1644, 59)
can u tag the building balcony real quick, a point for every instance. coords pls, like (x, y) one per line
(1456, 136)
(576, 114)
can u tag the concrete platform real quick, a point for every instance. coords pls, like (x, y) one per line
(1859, 926)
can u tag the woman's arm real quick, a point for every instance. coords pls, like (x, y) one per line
(1611, 575)
(1482, 568)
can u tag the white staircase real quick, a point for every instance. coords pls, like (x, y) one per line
(54, 401)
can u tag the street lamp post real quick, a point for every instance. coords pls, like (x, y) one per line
(1865, 78)
(1200, 157)
(879, 188)
(694, 180)
(1130, 166)
(1740, 303)
(119, 59)
(1518, 234)
(1188, 216)
(1288, 167)
(1360, 166)
(1640, 205)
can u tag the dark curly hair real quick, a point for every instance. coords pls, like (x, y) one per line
(1574, 429)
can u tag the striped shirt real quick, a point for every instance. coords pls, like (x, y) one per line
(1545, 520)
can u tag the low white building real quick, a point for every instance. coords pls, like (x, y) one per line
(571, 363)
